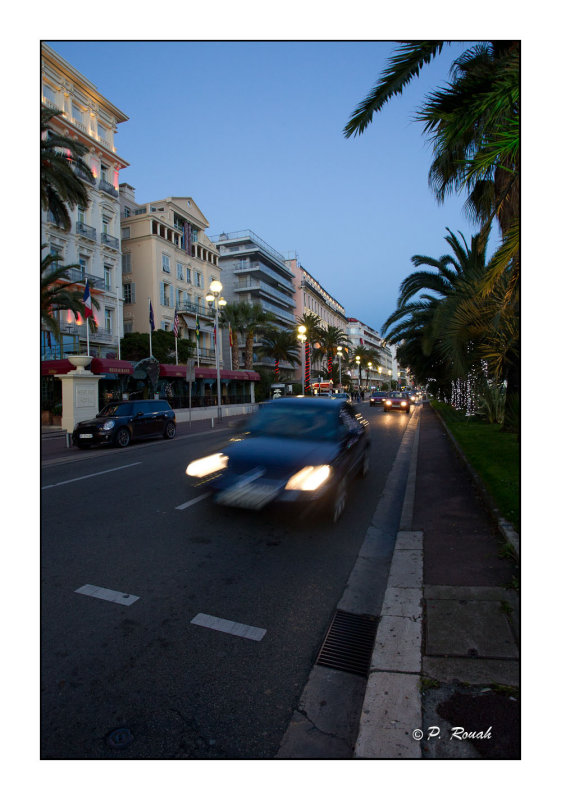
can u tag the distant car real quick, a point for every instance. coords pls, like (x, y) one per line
(342, 396)
(120, 423)
(399, 401)
(295, 452)
(377, 398)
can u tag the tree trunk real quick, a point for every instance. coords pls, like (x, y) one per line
(249, 350)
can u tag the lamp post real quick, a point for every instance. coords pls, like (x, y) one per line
(369, 367)
(380, 376)
(339, 351)
(357, 359)
(213, 296)
(302, 338)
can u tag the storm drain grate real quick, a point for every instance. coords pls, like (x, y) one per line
(349, 643)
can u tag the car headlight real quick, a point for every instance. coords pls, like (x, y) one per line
(388, 402)
(108, 425)
(404, 403)
(206, 466)
(309, 478)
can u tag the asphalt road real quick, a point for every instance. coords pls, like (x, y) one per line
(118, 519)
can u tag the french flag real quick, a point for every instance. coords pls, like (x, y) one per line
(87, 300)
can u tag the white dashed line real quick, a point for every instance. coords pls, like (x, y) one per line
(192, 502)
(91, 475)
(226, 626)
(107, 594)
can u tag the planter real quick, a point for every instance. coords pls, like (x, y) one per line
(79, 362)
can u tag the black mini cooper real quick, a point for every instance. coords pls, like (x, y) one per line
(119, 423)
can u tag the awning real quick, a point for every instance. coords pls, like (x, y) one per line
(58, 367)
(227, 374)
(173, 371)
(110, 366)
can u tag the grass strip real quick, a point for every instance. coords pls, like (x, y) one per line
(493, 453)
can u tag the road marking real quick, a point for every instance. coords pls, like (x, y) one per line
(91, 475)
(192, 502)
(227, 626)
(107, 594)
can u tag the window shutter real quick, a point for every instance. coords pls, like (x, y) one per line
(162, 293)
(133, 292)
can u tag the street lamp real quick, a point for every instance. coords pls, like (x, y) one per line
(339, 351)
(368, 375)
(357, 359)
(302, 338)
(214, 296)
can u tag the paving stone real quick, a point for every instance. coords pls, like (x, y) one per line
(398, 645)
(409, 540)
(390, 713)
(399, 602)
(406, 569)
(477, 671)
(468, 628)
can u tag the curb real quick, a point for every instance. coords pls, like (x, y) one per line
(392, 707)
(505, 528)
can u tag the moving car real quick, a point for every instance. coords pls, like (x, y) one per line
(120, 423)
(400, 401)
(295, 452)
(377, 398)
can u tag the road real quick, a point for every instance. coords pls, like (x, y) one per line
(127, 521)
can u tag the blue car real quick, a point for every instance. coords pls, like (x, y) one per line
(293, 452)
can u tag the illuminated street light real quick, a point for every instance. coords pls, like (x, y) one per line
(214, 296)
(302, 338)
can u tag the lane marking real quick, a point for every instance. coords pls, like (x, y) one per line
(91, 475)
(107, 594)
(227, 626)
(192, 502)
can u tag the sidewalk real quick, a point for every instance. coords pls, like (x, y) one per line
(446, 657)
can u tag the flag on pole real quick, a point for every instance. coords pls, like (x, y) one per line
(151, 316)
(87, 299)
(197, 327)
(176, 325)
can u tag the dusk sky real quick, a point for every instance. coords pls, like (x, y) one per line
(252, 131)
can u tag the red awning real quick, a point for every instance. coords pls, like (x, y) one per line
(227, 374)
(173, 371)
(58, 367)
(110, 366)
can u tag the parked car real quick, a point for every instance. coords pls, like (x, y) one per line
(295, 452)
(400, 401)
(120, 423)
(377, 398)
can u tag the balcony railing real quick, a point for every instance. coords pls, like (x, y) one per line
(266, 289)
(106, 187)
(110, 241)
(192, 308)
(86, 230)
(76, 275)
(84, 176)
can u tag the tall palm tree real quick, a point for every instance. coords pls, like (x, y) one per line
(281, 345)
(232, 315)
(254, 320)
(314, 329)
(366, 355)
(59, 293)
(60, 156)
(330, 338)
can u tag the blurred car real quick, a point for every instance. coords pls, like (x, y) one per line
(377, 398)
(120, 423)
(399, 401)
(342, 396)
(295, 452)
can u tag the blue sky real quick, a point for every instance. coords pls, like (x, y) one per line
(253, 132)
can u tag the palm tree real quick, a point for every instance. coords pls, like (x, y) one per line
(58, 294)
(314, 329)
(330, 338)
(281, 345)
(254, 320)
(366, 355)
(474, 125)
(232, 315)
(60, 156)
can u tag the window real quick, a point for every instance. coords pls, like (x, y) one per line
(179, 271)
(105, 173)
(107, 277)
(126, 263)
(125, 233)
(198, 279)
(84, 263)
(165, 326)
(127, 327)
(108, 320)
(101, 132)
(165, 294)
(81, 216)
(77, 114)
(49, 93)
(129, 293)
(187, 274)
(126, 212)
(105, 222)
(165, 263)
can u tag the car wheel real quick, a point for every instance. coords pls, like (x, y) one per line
(365, 465)
(169, 430)
(122, 437)
(339, 501)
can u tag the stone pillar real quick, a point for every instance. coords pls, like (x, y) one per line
(79, 397)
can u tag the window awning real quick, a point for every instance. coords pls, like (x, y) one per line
(228, 374)
(58, 367)
(110, 366)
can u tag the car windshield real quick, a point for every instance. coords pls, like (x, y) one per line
(295, 423)
(399, 394)
(115, 410)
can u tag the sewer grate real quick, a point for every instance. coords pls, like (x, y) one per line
(349, 643)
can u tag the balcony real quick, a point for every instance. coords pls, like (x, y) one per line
(106, 187)
(263, 288)
(84, 176)
(76, 275)
(86, 230)
(193, 308)
(110, 241)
